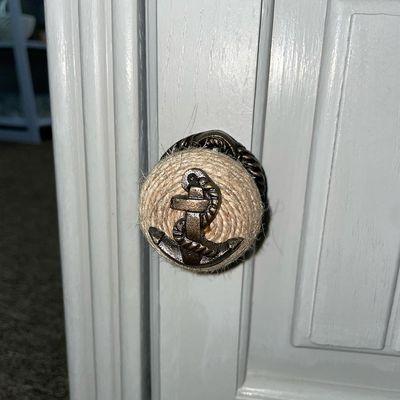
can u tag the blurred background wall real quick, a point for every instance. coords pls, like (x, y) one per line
(24, 89)
(32, 341)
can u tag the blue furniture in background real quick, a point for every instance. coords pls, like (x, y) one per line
(31, 112)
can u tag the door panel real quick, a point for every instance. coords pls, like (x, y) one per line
(325, 303)
(351, 243)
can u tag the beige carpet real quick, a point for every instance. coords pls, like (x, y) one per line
(32, 342)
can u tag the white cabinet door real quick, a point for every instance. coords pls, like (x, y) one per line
(317, 319)
(324, 305)
(313, 87)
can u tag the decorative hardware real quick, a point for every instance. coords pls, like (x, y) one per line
(190, 247)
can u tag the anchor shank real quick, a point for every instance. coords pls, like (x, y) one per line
(193, 228)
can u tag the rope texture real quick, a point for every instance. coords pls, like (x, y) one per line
(241, 210)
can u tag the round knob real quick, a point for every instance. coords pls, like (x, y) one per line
(204, 205)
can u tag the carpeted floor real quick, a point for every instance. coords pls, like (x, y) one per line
(32, 341)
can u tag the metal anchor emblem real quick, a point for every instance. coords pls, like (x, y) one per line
(189, 246)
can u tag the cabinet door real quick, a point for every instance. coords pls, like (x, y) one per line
(315, 315)
(313, 88)
(325, 305)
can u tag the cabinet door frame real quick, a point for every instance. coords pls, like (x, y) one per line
(97, 77)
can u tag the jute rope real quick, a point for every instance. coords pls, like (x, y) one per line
(241, 209)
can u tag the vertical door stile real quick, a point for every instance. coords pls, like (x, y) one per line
(69, 153)
(131, 161)
(96, 69)
(97, 78)
(259, 112)
(153, 156)
(206, 71)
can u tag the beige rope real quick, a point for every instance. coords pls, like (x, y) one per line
(241, 209)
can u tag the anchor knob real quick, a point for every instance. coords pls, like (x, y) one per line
(204, 206)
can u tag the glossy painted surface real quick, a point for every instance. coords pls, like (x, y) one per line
(95, 77)
(207, 58)
(69, 154)
(324, 298)
(315, 315)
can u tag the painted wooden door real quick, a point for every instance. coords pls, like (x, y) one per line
(312, 86)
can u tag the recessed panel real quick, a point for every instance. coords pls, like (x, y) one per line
(351, 235)
(324, 307)
(361, 235)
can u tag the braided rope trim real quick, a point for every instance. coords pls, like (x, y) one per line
(240, 214)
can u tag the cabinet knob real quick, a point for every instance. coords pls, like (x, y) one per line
(204, 206)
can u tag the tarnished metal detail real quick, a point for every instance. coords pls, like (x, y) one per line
(189, 246)
(226, 144)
